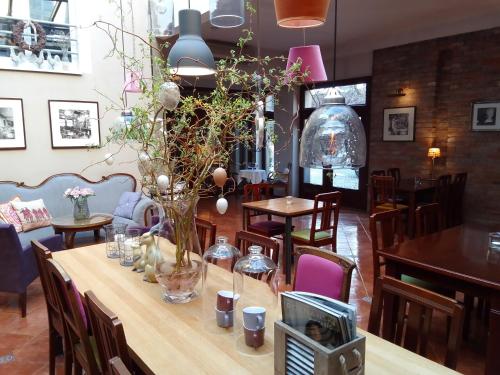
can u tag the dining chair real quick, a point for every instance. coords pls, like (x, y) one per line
(108, 333)
(74, 320)
(396, 173)
(118, 367)
(442, 196)
(56, 323)
(383, 194)
(428, 219)
(323, 272)
(206, 233)
(326, 205)
(280, 179)
(378, 172)
(404, 312)
(270, 246)
(457, 191)
(269, 227)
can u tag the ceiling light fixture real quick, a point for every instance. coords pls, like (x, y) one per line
(227, 13)
(311, 62)
(301, 13)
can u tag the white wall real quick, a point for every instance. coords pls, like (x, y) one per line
(100, 74)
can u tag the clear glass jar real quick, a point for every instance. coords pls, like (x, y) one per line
(115, 235)
(222, 254)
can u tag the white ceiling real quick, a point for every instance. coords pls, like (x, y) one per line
(366, 25)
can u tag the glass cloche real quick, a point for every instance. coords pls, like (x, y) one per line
(222, 254)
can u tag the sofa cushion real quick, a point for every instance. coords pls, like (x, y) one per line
(33, 214)
(127, 203)
(36, 234)
(122, 220)
(9, 215)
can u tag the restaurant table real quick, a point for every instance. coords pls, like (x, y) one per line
(412, 190)
(288, 209)
(455, 258)
(170, 339)
(253, 175)
(68, 226)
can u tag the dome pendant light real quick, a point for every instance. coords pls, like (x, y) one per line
(190, 55)
(334, 137)
(301, 13)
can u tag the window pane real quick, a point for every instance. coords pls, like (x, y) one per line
(49, 10)
(346, 179)
(353, 94)
(269, 146)
(313, 176)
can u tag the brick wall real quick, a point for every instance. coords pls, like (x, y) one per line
(442, 77)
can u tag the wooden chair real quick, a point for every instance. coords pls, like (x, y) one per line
(378, 172)
(56, 323)
(391, 233)
(280, 179)
(442, 196)
(428, 219)
(206, 233)
(383, 194)
(108, 333)
(396, 173)
(118, 367)
(457, 191)
(326, 234)
(320, 277)
(269, 227)
(74, 319)
(407, 317)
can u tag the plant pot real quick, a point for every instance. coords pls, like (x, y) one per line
(81, 209)
(301, 13)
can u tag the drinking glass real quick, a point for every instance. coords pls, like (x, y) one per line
(131, 247)
(494, 242)
(114, 236)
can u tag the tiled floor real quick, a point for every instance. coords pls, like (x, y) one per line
(24, 342)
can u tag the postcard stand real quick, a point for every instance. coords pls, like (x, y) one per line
(295, 353)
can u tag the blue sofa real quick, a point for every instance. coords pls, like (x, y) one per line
(18, 266)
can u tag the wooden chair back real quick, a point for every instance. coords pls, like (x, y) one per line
(108, 333)
(118, 367)
(382, 190)
(329, 211)
(442, 196)
(347, 265)
(457, 198)
(407, 314)
(386, 230)
(206, 233)
(270, 247)
(428, 219)
(396, 173)
(378, 172)
(256, 192)
(75, 326)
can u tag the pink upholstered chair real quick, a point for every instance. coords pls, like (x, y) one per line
(323, 272)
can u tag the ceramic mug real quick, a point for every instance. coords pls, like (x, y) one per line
(224, 318)
(254, 338)
(254, 317)
(225, 300)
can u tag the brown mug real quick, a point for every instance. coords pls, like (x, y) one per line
(254, 338)
(225, 300)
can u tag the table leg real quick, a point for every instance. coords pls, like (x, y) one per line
(288, 249)
(245, 223)
(97, 235)
(492, 357)
(69, 240)
(411, 215)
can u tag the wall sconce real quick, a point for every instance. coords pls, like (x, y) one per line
(433, 153)
(399, 92)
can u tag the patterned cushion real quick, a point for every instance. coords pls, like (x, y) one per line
(127, 203)
(33, 214)
(305, 234)
(9, 215)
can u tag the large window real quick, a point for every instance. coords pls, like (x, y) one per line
(38, 35)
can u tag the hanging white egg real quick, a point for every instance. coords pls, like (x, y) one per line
(108, 158)
(163, 182)
(221, 205)
(220, 176)
(169, 95)
(144, 156)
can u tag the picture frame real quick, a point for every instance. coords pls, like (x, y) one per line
(74, 124)
(12, 131)
(485, 116)
(399, 124)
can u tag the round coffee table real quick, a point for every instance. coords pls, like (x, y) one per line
(68, 226)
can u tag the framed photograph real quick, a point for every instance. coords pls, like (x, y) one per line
(399, 124)
(12, 135)
(74, 124)
(486, 116)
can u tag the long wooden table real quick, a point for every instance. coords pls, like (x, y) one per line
(171, 339)
(455, 258)
(280, 207)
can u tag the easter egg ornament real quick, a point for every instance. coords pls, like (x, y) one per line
(221, 205)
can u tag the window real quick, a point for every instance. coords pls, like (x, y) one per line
(22, 47)
(269, 166)
(353, 94)
(165, 14)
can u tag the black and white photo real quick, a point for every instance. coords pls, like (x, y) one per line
(486, 116)
(74, 124)
(399, 124)
(12, 134)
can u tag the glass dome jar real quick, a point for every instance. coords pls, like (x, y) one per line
(222, 254)
(333, 137)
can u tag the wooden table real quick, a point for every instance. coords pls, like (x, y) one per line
(280, 207)
(458, 258)
(171, 339)
(407, 187)
(68, 226)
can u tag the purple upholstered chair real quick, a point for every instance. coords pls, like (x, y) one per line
(323, 272)
(18, 265)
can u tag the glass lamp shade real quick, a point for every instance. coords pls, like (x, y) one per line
(301, 13)
(227, 13)
(434, 152)
(333, 137)
(190, 55)
(311, 62)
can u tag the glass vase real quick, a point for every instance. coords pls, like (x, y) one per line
(81, 209)
(179, 269)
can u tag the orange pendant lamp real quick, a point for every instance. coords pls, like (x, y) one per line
(301, 13)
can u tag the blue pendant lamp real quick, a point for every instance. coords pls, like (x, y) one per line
(190, 55)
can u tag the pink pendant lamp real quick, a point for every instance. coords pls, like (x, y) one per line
(312, 62)
(132, 82)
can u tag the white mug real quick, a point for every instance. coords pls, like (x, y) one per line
(254, 317)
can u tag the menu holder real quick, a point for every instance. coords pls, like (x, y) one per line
(296, 353)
